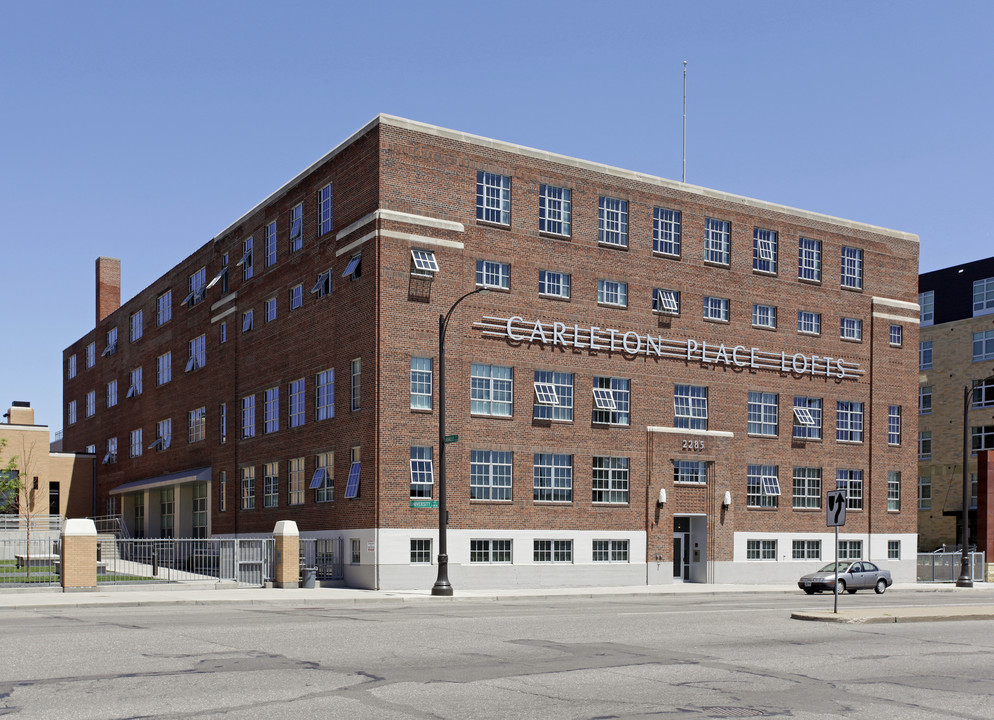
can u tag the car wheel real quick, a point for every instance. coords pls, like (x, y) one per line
(809, 591)
(881, 586)
(841, 586)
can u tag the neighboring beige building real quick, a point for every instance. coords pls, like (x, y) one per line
(956, 356)
(53, 483)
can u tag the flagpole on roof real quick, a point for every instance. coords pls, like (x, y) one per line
(684, 121)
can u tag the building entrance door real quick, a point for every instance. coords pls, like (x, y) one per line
(681, 549)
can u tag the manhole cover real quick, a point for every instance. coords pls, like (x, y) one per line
(733, 712)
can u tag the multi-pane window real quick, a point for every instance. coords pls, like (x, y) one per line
(323, 285)
(489, 475)
(271, 485)
(924, 493)
(716, 308)
(295, 406)
(690, 407)
(982, 437)
(222, 423)
(610, 551)
(555, 402)
(164, 307)
(925, 354)
(809, 259)
(983, 345)
(71, 412)
(612, 400)
(71, 367)
(983, 296)
(421, 374)
(763, 486)
(690, 471)
(926, 302)
(850, 328)
(296, 297)
(271, 410)
(493, 198)
(353, 270)
(553, 478)
(112, 393)
(761, 549)
(894, 490)
(612, 292)
(198, 353)
(248, 320)
(893, 549)
(164, 368)
(553, 551)
(490, 551)
(491, 390)
(197, 424)
(554, 284)
(849, 421)
(163, 434)
(295, 481)
(296, 227)
(248, 488)
(167, 512)
(666, 302)
(610, 480)
(269, 309)
(248, 416)
(198, 287)
(420, 551)
(555, 210)
(983, 393)
(355, 385)
(764, 250)
(717, 241)
(325, 395)
(324, 210)
(111, 347)
(137, 325)
(269, 245)
(612, 221)
(491, 274)
(894, 425)
(135, 382)
(808, 322)
(850, 549)
(896, 336)
(91, 355)
(807, 418)
(422, 472)
(762, 413)
(925, 445)
(323, 482)
(852, 482)
(111, 456)
(852, 268)
(247, 261)
(136, 442)
(806, 550)
(666, 231)
(764, 316)
(807, 487)
(91, 403)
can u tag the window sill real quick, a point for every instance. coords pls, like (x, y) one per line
(767, 273)
(716, 320)
(554, 236)
(849, 442)
(612, 305)
(663, 314)
(762, 435)
(808, 281)
(611, 505)
(481, 501)
(560, 503)
(671, 256)
(687, 483)
(850, 288)
(715, 263)
(762, 509)
(493, 224)
(491, 417)
(422, 411)
(807, 509)
(851, 340)
(494, 288)
(613, 246)
(556, 298)
(808, 333)
(764, 327)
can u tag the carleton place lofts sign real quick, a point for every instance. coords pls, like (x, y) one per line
(516, 329)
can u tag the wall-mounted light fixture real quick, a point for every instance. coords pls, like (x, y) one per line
(727, 501)
(662, 496)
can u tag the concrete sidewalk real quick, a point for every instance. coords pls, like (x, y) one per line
(213, 594)
(899, 614)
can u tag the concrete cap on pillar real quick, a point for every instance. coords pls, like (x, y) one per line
(79, 527)
(286, 528)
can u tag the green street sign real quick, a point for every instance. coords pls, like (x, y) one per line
(451, 438)
(424, 503)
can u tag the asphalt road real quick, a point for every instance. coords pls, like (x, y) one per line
(624, 657)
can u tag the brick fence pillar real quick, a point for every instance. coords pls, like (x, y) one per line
(287, 539)
(79, 555)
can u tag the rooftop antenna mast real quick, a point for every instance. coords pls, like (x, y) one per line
(684, 121)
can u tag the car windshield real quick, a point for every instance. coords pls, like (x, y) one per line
(843, 566)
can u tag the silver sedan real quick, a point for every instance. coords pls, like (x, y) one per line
(853, 576)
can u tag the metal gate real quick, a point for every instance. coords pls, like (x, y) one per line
(247, 561)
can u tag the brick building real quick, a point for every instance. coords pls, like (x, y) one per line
(956, 366)
(661, 384)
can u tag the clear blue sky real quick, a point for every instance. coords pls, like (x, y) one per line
(139, 130)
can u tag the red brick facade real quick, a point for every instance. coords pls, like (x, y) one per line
(399, 186)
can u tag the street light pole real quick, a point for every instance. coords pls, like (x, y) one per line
(964, 579)
(442, 586)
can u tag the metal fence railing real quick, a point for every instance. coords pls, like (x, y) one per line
(945, 566)
(25, 562)
(21, 523)
(324, 554)
(111, 525)
(247, 561)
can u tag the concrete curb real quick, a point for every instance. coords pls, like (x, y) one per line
(899, 615)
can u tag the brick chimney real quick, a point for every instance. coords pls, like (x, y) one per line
(108, 286)
(21, 413)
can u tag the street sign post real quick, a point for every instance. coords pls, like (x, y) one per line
(836, 517)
